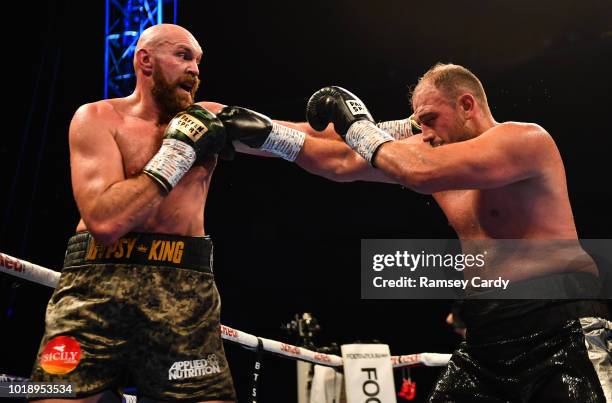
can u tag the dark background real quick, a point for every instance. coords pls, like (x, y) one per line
(286, 241)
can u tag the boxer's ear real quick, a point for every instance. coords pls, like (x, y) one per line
(467, 103)
(144, 61)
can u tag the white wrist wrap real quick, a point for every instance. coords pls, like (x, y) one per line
(284, 142)
(365, 138)
(171, 162)
(399, 129)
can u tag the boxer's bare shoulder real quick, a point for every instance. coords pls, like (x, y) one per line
(214, 107)
(107, 111)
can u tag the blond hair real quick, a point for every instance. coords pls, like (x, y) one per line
(453, 80)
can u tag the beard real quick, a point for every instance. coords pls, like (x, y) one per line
(168, 95)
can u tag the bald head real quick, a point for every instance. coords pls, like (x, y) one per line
(158, 36)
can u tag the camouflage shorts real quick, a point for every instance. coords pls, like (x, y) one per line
(115, 321)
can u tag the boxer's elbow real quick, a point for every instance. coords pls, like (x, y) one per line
(341, 172)
(420, 181)
(349, 168)
(336, 169)
(334, 173)
(104, 231)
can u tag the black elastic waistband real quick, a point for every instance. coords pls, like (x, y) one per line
(183, 252)
(488, 320)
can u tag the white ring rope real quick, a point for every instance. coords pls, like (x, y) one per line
(42, 275)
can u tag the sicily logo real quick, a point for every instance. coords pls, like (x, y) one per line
(61, 355)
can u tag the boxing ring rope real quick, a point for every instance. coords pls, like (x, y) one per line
(41, 275)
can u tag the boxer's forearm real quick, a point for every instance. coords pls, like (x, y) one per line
(407, 164)
(330, 159)
(321, 156)
(325, 154)
(320, 153)
(122, 207)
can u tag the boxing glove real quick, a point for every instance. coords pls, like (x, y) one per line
(351, 119)
(190, 136)
(260, 132)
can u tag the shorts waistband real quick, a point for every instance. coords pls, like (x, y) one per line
(488, 320)
(181, 252)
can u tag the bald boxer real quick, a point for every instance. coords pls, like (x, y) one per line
(493, 181)
(137, 300)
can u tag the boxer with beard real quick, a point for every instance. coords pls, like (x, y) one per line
(166, 96)
(137, 298)
(137, 301)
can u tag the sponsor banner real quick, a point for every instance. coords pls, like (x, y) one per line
(486, 269)
(368, 373)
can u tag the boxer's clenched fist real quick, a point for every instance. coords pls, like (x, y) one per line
(260, 132)
(350, 117)
(191, 135)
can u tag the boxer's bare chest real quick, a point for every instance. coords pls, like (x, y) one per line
(138, 141)
(494, 213)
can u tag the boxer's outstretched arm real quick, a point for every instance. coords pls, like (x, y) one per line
(110, 205)
(322, 153)
(326, 155)
(507, 153)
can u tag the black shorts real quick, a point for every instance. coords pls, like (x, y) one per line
(523, 351)
(144, 312)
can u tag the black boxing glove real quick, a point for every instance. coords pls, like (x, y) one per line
(190, 136)
(260, 132)
(338, 106)
(350, 117)
(228, 152)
